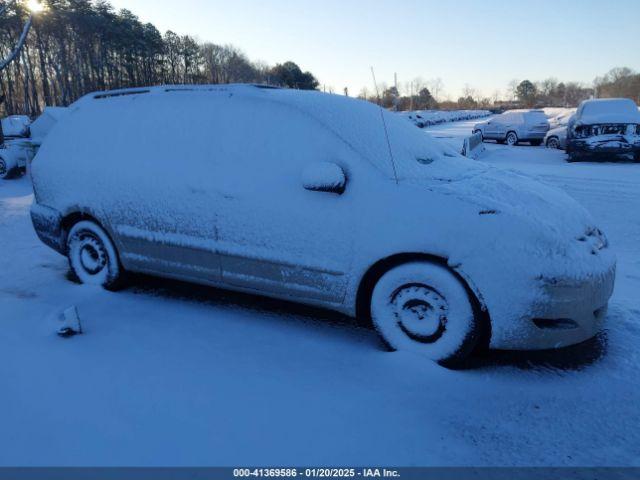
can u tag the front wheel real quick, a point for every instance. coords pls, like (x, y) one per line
(92, 256)
(423, 308)
(572, 158)
(512, 139)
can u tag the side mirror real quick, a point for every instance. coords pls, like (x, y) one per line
(324, 177)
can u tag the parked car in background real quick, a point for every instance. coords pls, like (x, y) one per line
(14, 146)
(515, 126)
(557, 136)
(417, 119)
(605, 129)
(18, 148)
(561, 119)
(325, 200)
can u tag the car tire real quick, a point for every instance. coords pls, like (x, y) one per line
(93, 257)
(572, 158)
(7, 170)
(511, 139)
(423, 307)
(553, 142)
(536, 143)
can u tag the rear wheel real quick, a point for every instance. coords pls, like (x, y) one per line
(92, 256)
(7, 169)
(512, 139)
(423, 308)
(553, 142)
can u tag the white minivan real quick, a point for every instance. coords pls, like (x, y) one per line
(515, 126)
(324, 200)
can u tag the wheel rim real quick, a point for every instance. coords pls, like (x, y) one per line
(420, 311)
(511, 139)
(93, 255)
(553, 143)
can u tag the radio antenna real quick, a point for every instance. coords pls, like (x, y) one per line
(384, 124)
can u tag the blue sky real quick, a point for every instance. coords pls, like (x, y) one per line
(483, 43)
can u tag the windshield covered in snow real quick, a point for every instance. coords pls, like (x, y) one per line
(386, 140)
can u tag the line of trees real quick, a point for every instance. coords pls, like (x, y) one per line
(79, 46)
(421, 95)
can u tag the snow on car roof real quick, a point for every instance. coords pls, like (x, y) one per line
(383, 138)
(608, 110)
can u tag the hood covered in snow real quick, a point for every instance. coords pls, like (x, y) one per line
(548, 211)
(609, 110)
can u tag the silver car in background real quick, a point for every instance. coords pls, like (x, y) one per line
(515, 126)
(557, 136)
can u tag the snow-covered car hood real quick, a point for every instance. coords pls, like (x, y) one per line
(548, 215)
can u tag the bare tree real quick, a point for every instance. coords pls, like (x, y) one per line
(436, 87)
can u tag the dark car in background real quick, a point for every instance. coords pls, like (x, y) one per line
(605, 129)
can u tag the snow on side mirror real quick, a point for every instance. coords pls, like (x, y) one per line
(324, 177)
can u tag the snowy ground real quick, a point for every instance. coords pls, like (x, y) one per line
(173, 374)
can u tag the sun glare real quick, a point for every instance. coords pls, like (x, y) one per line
(35, 6)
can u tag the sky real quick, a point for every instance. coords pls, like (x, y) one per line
(482, 44)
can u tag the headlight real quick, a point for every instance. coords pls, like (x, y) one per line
(595, 238)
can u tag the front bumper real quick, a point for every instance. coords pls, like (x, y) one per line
(606, 149)
(569, 312)
(47, 223)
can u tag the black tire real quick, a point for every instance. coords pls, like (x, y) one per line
(93, 258)
(512, 139)
(425, 308)
(573, 158)
(7, 172)
(536, 143)
(553, 142)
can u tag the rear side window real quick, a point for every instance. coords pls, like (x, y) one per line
(536, 117)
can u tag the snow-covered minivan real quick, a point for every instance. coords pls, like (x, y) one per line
(324, 200)
(515, 126)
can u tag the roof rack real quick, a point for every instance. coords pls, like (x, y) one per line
(119, 93)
